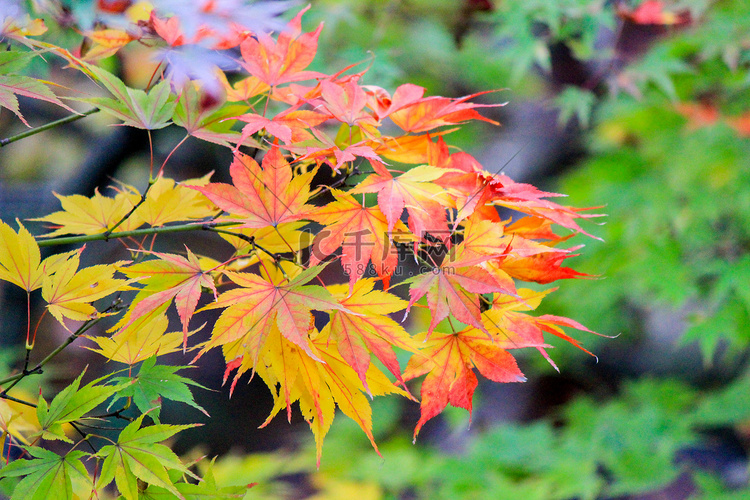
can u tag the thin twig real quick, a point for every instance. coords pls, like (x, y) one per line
(47, 126)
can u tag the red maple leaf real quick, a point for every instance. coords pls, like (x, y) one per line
(346, 102)
(173, 277)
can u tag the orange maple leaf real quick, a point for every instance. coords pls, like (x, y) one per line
(452, 290)
(432, 112)
(260, 304)
(453, 287)
(414, 190)
(367, 328)
(528, 199)
(284, 60)
(261, 197)
(363, 234)
(290, 126)
(511, 328)
(542, 264)
(448, 360)
(346, 102)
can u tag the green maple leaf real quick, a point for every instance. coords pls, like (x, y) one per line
(155, 382)
(71, 404)
(136, 108)
(47, 475)
(138, 454)
(205, 489)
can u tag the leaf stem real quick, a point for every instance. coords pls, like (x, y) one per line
(47, 126)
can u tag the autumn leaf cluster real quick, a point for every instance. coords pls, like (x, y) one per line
(329, 175)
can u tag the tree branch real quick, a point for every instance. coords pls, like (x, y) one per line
(47, 126)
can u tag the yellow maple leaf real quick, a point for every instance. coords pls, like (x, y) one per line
(20, 259)
(69, 291)
(106, 42)
(168, 201)
(143, 338)
(95, 215)
(286, 237)
(292, 375)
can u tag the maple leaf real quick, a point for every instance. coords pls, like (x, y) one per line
(106, 42)
(70, 291)
(290, 126)
(482, 240)
(169, 29)
(367, 328)
(448, 360)
(138, 455)
(262, 197)
(452, 287)
(169, 277)
(20, 258)
(17, 422)
(432, 112)
(46, 473)
(361, 232)
(244, 89)
(454, 291)
(512, 328)
(71, 404)
(206, 122)
(287, 237)
(319, 387)
(136, 108)
(98, 214)
(424, 201)
(341, 151)
(346, 102)
(168, 201)
(12, 85)
(284, 60)
(470, 189)
(143, 338)
(528, 199)
(535, 228)
(153, 383)
(383, 104)
(540, 266)
(259, 305)
(17, 25)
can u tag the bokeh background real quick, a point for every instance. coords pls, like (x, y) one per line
(642, 107)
